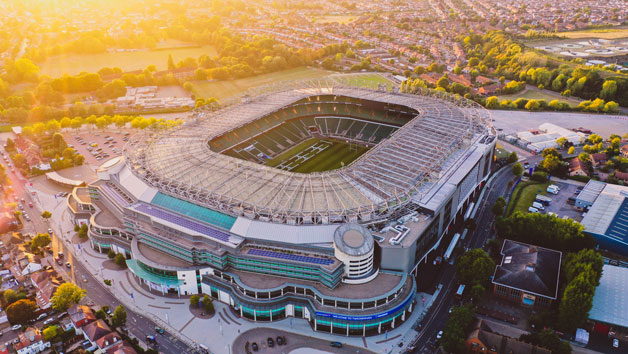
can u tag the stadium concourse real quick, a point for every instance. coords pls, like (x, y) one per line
(197, 208)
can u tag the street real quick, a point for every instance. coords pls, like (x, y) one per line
(137, 325)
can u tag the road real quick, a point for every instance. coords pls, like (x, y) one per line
(137, 325)
(438, 314)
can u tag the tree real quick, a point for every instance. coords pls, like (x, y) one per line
(66, 295)
(111, 254)
(118, 319)
(100, 314)
(547, 338)
(21, 311)
(571, 150)
(208, 305)
(477, 293)
(498, 207)
(82, 233)
(120, 260)
(544, 231)
(10, 296)
(455, 331)
(576, 303)
(584, 260)
(194, 300)
(492, 102)
(512, 157)
(517, 169)
(40, 241)
(475, 267)
(562, 141)
(50, 333)
(46, 215)
(171, 65)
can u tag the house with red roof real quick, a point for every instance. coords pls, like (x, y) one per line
(30, 342)
(577, 168)
(80, 315)
(46, 285)
(598, 159)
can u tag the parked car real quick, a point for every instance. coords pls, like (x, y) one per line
(48, 321)
(50, 232)
(254, 347)
(270, 342)
(280, 340)
(159, 330)
(16, 327)
(68, 265)
(336, 344)
(42, 316)
(439, 335)
(615, 343)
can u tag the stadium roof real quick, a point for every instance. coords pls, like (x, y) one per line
(179, 161)
(610, 302)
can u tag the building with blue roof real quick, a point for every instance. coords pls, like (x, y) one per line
(607, 218)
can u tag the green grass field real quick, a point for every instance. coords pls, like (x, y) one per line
(539, 95)
(524, 195)
(369, 80)
(127, 61)
(317, 155)
(224, 89)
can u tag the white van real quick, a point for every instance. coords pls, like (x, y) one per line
(533, 210)
(538, 205)
(553, 189)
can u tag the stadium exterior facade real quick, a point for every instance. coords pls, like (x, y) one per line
(339, 248)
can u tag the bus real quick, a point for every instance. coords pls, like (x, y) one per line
(460, 291)
(451, 247)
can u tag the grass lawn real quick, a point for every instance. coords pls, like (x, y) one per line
(501, 153)
(224, 89)
(369, 80)
(606, 33)
(524, 195)
(75, 63)
(333, 156)
(539, 95)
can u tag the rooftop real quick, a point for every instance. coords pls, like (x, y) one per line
(106, 218)
(529, 268)
(610, 302)
(609, 213)
(383, 283)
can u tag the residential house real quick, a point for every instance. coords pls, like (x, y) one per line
(483, 340)
(100, 336)
(598, 159)
(80, 315)
(528, 274)
(624, 151)
(125, 348)
(23, 264)
(577, 168)
(46, 285)
(4, 349)
(30, 342)
(622, 176)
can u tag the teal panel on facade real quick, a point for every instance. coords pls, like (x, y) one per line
(154, 278)
(194, 211)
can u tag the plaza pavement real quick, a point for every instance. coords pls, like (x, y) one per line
(173, 314)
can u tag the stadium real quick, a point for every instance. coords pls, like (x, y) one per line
(311, 199)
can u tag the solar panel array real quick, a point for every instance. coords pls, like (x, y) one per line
(178, 220)
(291, 257)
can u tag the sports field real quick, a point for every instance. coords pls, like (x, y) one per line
(127, 61)
(604, 33)
(317, 155)
(224, 89)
